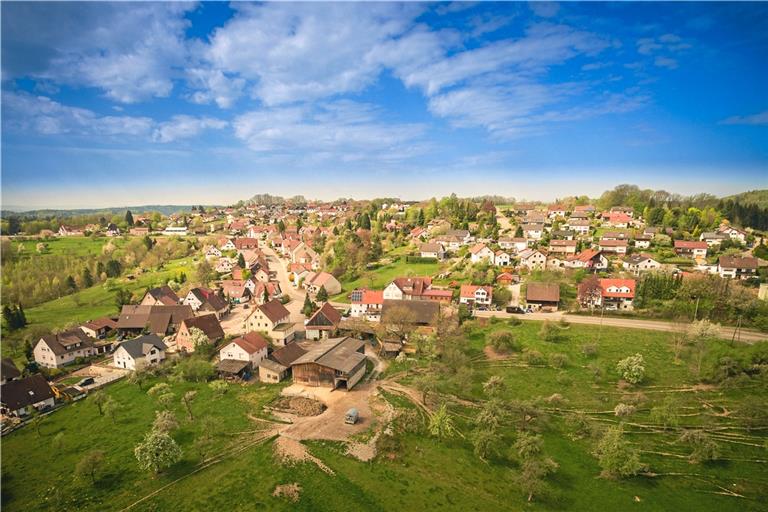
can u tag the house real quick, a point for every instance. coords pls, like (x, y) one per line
(613, 246)
(20, 397)
(557, 210)
(271, 290)
(563, 234)
(251, 348)
(617, 219)
(60, 349)
(714, 238)
(562, 247)
(691, 249)
(162, 296)
(734, 267)
(615, 235)
(323, 323)
(589, 259)
(476, 296)
(480, 252)
(139, 352)
(274, 319)
(533, 231)
(227, 244)
(580, 226)
(113, 230)
(432, 250)
(278, 365)
(225, 265)
(415, 288)
(238, 291)
(462, 235)
(160, 320)
(316, 280)
(211, 252)
(613, 294)
(335, 363)
(502, 258)
(514, 244)
(70, 231)
(643, 241)
(639, 263)
(8, 370)
(419, 232)
(523, 208)
(532, 259)
(505, 279)
(545, 296)
(736, 234)
(210, 326)
(98, 328)
(366, 304)
(207, 301)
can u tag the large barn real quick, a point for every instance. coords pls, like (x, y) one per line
(336, 363)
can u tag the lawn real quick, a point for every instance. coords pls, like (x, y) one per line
(379, 278)
(424, 473)
(69, 246)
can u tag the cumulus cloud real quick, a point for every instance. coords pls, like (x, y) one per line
(184, 127)
(44, 116)
(665, 62)
(128, 50)
(755, 119)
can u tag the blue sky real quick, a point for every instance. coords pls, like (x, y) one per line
(139, 103)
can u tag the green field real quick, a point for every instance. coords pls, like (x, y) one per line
(382, 276)
(69, 246)
(423, 473)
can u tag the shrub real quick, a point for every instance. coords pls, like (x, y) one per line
(533, 357)
(596, 371)
(624, 410)
(564, 379)
(503, 341)
(514, 322)
(558, 360)
(589, 350)
(632, 368)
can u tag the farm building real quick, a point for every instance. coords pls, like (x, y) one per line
(336, 363)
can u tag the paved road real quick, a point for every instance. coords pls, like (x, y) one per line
(747, 335)
(297, 295)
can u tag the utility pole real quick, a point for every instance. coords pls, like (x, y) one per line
(696, 310)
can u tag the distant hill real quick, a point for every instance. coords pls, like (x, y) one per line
(43, 213)
(758, 197)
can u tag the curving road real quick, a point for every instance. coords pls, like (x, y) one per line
(746, 335)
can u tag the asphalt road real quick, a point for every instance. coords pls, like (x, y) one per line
(746, 335)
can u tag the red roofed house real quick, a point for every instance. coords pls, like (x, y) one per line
(250, 347)
(615, 294)
(366, 304)
(589, 259)
(162, 296)
(691, 249)
(323, 323)
(415, 288)
(480, 252)
(474, 295)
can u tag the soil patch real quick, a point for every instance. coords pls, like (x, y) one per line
(299, 405)
(291, 451)
(291, 492)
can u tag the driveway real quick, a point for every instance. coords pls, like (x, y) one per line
(234, 322)
(103, 373)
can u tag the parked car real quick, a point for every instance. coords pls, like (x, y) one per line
(515, 309)
(352, 416)
(85, 382)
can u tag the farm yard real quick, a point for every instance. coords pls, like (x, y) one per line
(565, 389)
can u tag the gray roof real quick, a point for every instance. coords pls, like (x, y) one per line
(139, 347)
(337, 353)
(273, 366)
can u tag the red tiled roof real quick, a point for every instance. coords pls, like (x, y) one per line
(618, 283)
(251, 342)
(686, 244)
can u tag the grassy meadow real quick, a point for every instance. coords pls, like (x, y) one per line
(383, 275)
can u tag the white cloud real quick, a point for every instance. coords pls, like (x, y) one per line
(343, 129)
(665, 62)
(184, 127)
(214, 86)
(755, 119)
(128, 50)
(45, 116)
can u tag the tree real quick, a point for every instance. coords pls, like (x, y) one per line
(157, 452)
(87, 278)
(138, 377)
(89, 465)
(198, 338)
(281, 226)
(549, 332)
(486, 441)
(219, 387)
(702, 333)
(113, 268)
(322, 294)
(204, 273)
(616, 456)
(502, 342)
(590, 291)
(494, 386)
(309, 307)
(703, 447)
(365, 221)
(534, 465)
(241, 260)
(70, 284)
(632, 368)
(165, 421)
(99, 398)
(162, 393)
(111, 406)
(187, 400)
(441, 424)
(194, 369)
(665, 413)
(122, 297)
(129, 217)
